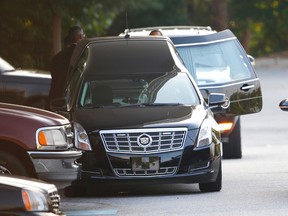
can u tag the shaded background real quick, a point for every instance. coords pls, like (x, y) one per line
(33, 31)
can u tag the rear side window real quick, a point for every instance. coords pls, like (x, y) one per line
(215, 63)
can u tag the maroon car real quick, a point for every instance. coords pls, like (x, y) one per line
(37, 143)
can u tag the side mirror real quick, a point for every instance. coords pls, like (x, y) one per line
(216, 99)
(252, 60)
(284, 105)
(218, 102)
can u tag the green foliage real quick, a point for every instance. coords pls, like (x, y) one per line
(265, 19)
(143, 13)
(26, 25)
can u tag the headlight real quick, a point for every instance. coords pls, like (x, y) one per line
(81, 138)
(51, 138)
(205, 134)
(34, 200)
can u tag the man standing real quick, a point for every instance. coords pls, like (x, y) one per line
(60, 63)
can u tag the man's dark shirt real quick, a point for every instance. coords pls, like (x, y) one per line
(59, 71)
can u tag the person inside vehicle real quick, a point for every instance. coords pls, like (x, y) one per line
(155, 33)
(60, 63)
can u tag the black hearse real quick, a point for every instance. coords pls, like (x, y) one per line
(138, 115)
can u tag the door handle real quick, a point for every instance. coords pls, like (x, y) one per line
(247, 87)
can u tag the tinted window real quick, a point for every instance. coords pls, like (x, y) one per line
(131, 56)
(215, 63)
(125, 90)
(75, 77)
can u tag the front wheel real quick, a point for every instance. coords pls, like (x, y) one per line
(9, 164)
(213, 186)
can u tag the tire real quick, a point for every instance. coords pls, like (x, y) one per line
(213, 186)
(233, 149)
(9, 164)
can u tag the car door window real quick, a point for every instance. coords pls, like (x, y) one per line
(215, 63)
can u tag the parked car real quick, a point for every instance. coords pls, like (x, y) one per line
(218, 63)
(37, 143)
(26, 196)
(138, 115)
(283, 105)
(24, 87)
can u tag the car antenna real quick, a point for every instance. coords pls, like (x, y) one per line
(126, 32)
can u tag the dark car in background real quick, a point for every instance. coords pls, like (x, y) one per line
(20, 196)
(283, 105)
(138, 115)
(37, 143)
(219, 64)
(24, 87)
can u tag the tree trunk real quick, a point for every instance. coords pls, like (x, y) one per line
(246, 39)
(56, 34)
(220, 14)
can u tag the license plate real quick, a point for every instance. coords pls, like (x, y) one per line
(145, 163)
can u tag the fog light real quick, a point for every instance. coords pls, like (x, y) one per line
(199, 165)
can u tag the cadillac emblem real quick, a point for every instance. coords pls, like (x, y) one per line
(144, 140)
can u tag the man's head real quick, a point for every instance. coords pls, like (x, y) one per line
(75, 34)
(156, 32)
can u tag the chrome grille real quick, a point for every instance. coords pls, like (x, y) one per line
(144, 141)
(161, 171)
(69, 135)
(55, 202)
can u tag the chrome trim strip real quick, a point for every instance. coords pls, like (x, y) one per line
(143, 130)
(55, 154)
(227, 85)
(199, 168)
(145, 173)
(131, 146)
(203, 43)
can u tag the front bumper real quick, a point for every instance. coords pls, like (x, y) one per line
(205, 175)
(191, 166)
(58, 168)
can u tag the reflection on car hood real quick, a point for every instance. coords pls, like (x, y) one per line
(139, 117)
(22, 182)
(30, 115)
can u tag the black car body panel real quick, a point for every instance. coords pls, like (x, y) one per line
(149, 122)
(24, 87)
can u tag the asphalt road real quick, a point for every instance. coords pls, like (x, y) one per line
(255, 185)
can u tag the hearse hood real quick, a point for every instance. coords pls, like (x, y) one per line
(139, 117)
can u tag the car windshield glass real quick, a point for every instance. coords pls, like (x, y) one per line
(139, 89)
(215, 63)
(5, 66)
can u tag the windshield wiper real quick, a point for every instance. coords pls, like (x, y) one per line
(133, 105)
(151, 104)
